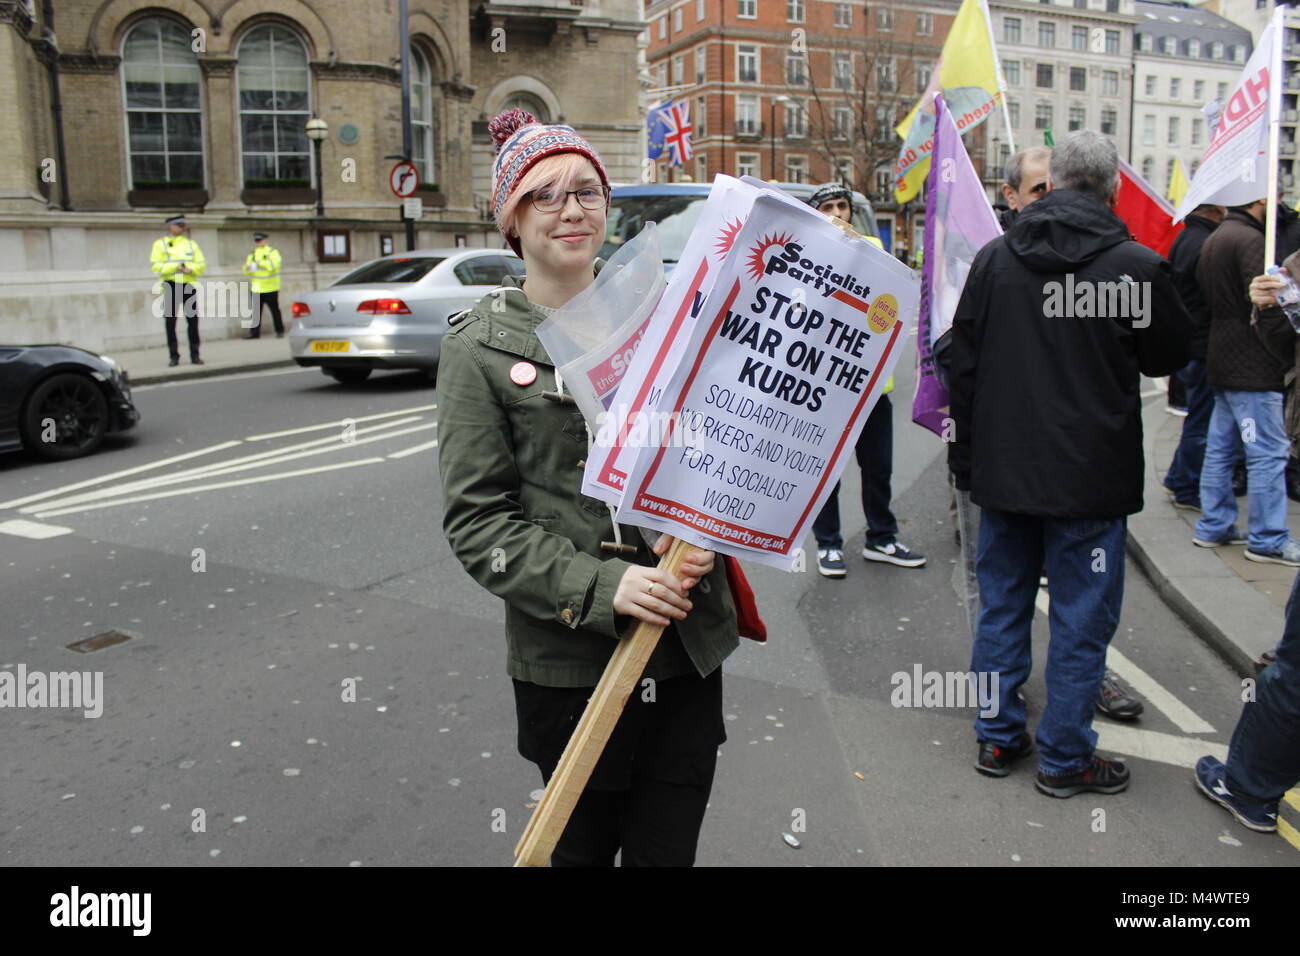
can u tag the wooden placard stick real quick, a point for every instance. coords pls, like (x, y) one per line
(603, 710)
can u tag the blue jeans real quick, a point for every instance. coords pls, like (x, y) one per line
(875, 454)
(1085, 571)
(1264, 756)
(1184, 475)
(1249, 421)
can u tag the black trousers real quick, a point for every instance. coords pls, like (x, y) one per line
(648, 792)
(272, 301)
(875, 454)
(181, 298)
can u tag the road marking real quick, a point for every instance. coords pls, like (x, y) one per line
(16, 502)
(32, 529)
(413, 449)
(339, 424)
(257, 460)
(1154, 745)
(1183, 716)
(216, 486)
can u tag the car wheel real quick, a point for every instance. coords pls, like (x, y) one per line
(66, 416)
(348, 376)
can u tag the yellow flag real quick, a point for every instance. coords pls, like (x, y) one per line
(968, 76)
(1178, 185)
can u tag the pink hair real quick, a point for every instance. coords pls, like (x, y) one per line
(561, 171)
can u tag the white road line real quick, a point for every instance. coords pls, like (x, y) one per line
(339, 424)
(215, 486)
(273, 456)
(1153, 745)
(16, 502)
(1183, 716)
(414, 449)
(32, 529)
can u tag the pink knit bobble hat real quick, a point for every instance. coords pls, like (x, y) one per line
(521, 142)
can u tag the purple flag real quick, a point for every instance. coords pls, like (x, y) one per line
(958, 222)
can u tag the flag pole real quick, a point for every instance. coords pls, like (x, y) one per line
(1274, 132)
(1002, 83)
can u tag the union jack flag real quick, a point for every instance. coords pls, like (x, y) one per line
(676, 119)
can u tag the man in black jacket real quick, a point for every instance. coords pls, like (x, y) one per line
(1058, 319)
(1183, 480)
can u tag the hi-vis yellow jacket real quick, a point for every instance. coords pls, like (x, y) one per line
(170, 252)
(263, 264)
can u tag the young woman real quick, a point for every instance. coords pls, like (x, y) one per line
(512, 446)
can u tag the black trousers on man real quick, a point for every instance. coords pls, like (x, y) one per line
(272, 301)
(181, 298)
(875, 454)
(647, 793)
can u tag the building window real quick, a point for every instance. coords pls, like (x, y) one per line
(528, 103)
(1112, 42)
(1043, 77)
(796, 120)
(1193, 47)
(884, 180)
(700, 123)
(1110, 83)
(164, 111)
(886, 74)
(924, 24)
(1079, 39)
(334, 245)
(422, 117)
(274, 105)
(1148, 167)
(1198, 128)
(1078, 79)
(1047, 35)
(746, 164)
(884, 19)
(699, 10)
(747, 9)
(844, 170)
(677, 20)
(1172, 137)
(1169, 173)
(1175, 88)
(1239, 52)
(747, 64)
(923, 74)
(1043, 116)
(679, 69)
(746, 115)
(796, 169)
(1170, 45)
(1144, 42)
(794, 11)
(796, 73)
(841, 118)
(701, 169)
(1013, 114)
(1112, 6)
(1011, 71)
(1198, 91)
(662, 71)
(884, 120)
(1149, 86)
(1148, 130)
(1011, 30)
(1216, 50)
(663, 28)
(1109, 122)
(1078, 118)
(1081, 4)
(1221, 91)
(843, 15)
(843, 71)
(701, 63)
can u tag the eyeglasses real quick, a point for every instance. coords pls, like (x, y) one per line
(553, 200)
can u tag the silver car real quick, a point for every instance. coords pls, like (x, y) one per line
(392, 312)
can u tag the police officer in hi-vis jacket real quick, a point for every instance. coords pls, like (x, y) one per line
(178, 261)
(263, 265)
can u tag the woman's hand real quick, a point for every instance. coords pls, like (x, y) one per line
(695, 565)
(1263, 290)
(653, 595)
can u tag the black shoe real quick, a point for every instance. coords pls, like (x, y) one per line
(994, 760)
(279, 335)
(1102, 776)
(1114, 699)
(250, 335)
(174, 361)
(1239, 484)
(196, 360)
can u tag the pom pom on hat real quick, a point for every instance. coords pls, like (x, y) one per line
(508, 122)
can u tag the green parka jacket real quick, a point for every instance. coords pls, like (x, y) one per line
(511, 462)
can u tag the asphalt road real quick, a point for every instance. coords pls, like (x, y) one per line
(225, 737)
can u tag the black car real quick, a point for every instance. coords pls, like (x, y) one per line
(59, 401)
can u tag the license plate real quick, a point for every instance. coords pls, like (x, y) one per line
(322, 346)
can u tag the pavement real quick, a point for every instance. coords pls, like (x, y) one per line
(220, 357)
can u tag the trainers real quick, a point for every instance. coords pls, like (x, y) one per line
(1114, 699)
(894, 553)
(1210, 780)
(1192, 503)
(830, 563)
(995, 760)
(1101, 776)
(1178, 410)
(1234, 537)
(1289, 554)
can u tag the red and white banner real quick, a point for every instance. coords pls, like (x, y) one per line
(1148, 215)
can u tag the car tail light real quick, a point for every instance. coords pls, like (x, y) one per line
(300, 308)
(384, 307)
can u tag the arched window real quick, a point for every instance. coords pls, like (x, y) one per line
(422, 117)
(526, 101)
(164, 109)
(274, 106)
(1148, 167)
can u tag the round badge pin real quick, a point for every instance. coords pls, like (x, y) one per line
(523, 373)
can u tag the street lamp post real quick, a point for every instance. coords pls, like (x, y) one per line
(317, 130)
(772, 124)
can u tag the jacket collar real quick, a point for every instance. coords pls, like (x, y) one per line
(1238, 216)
